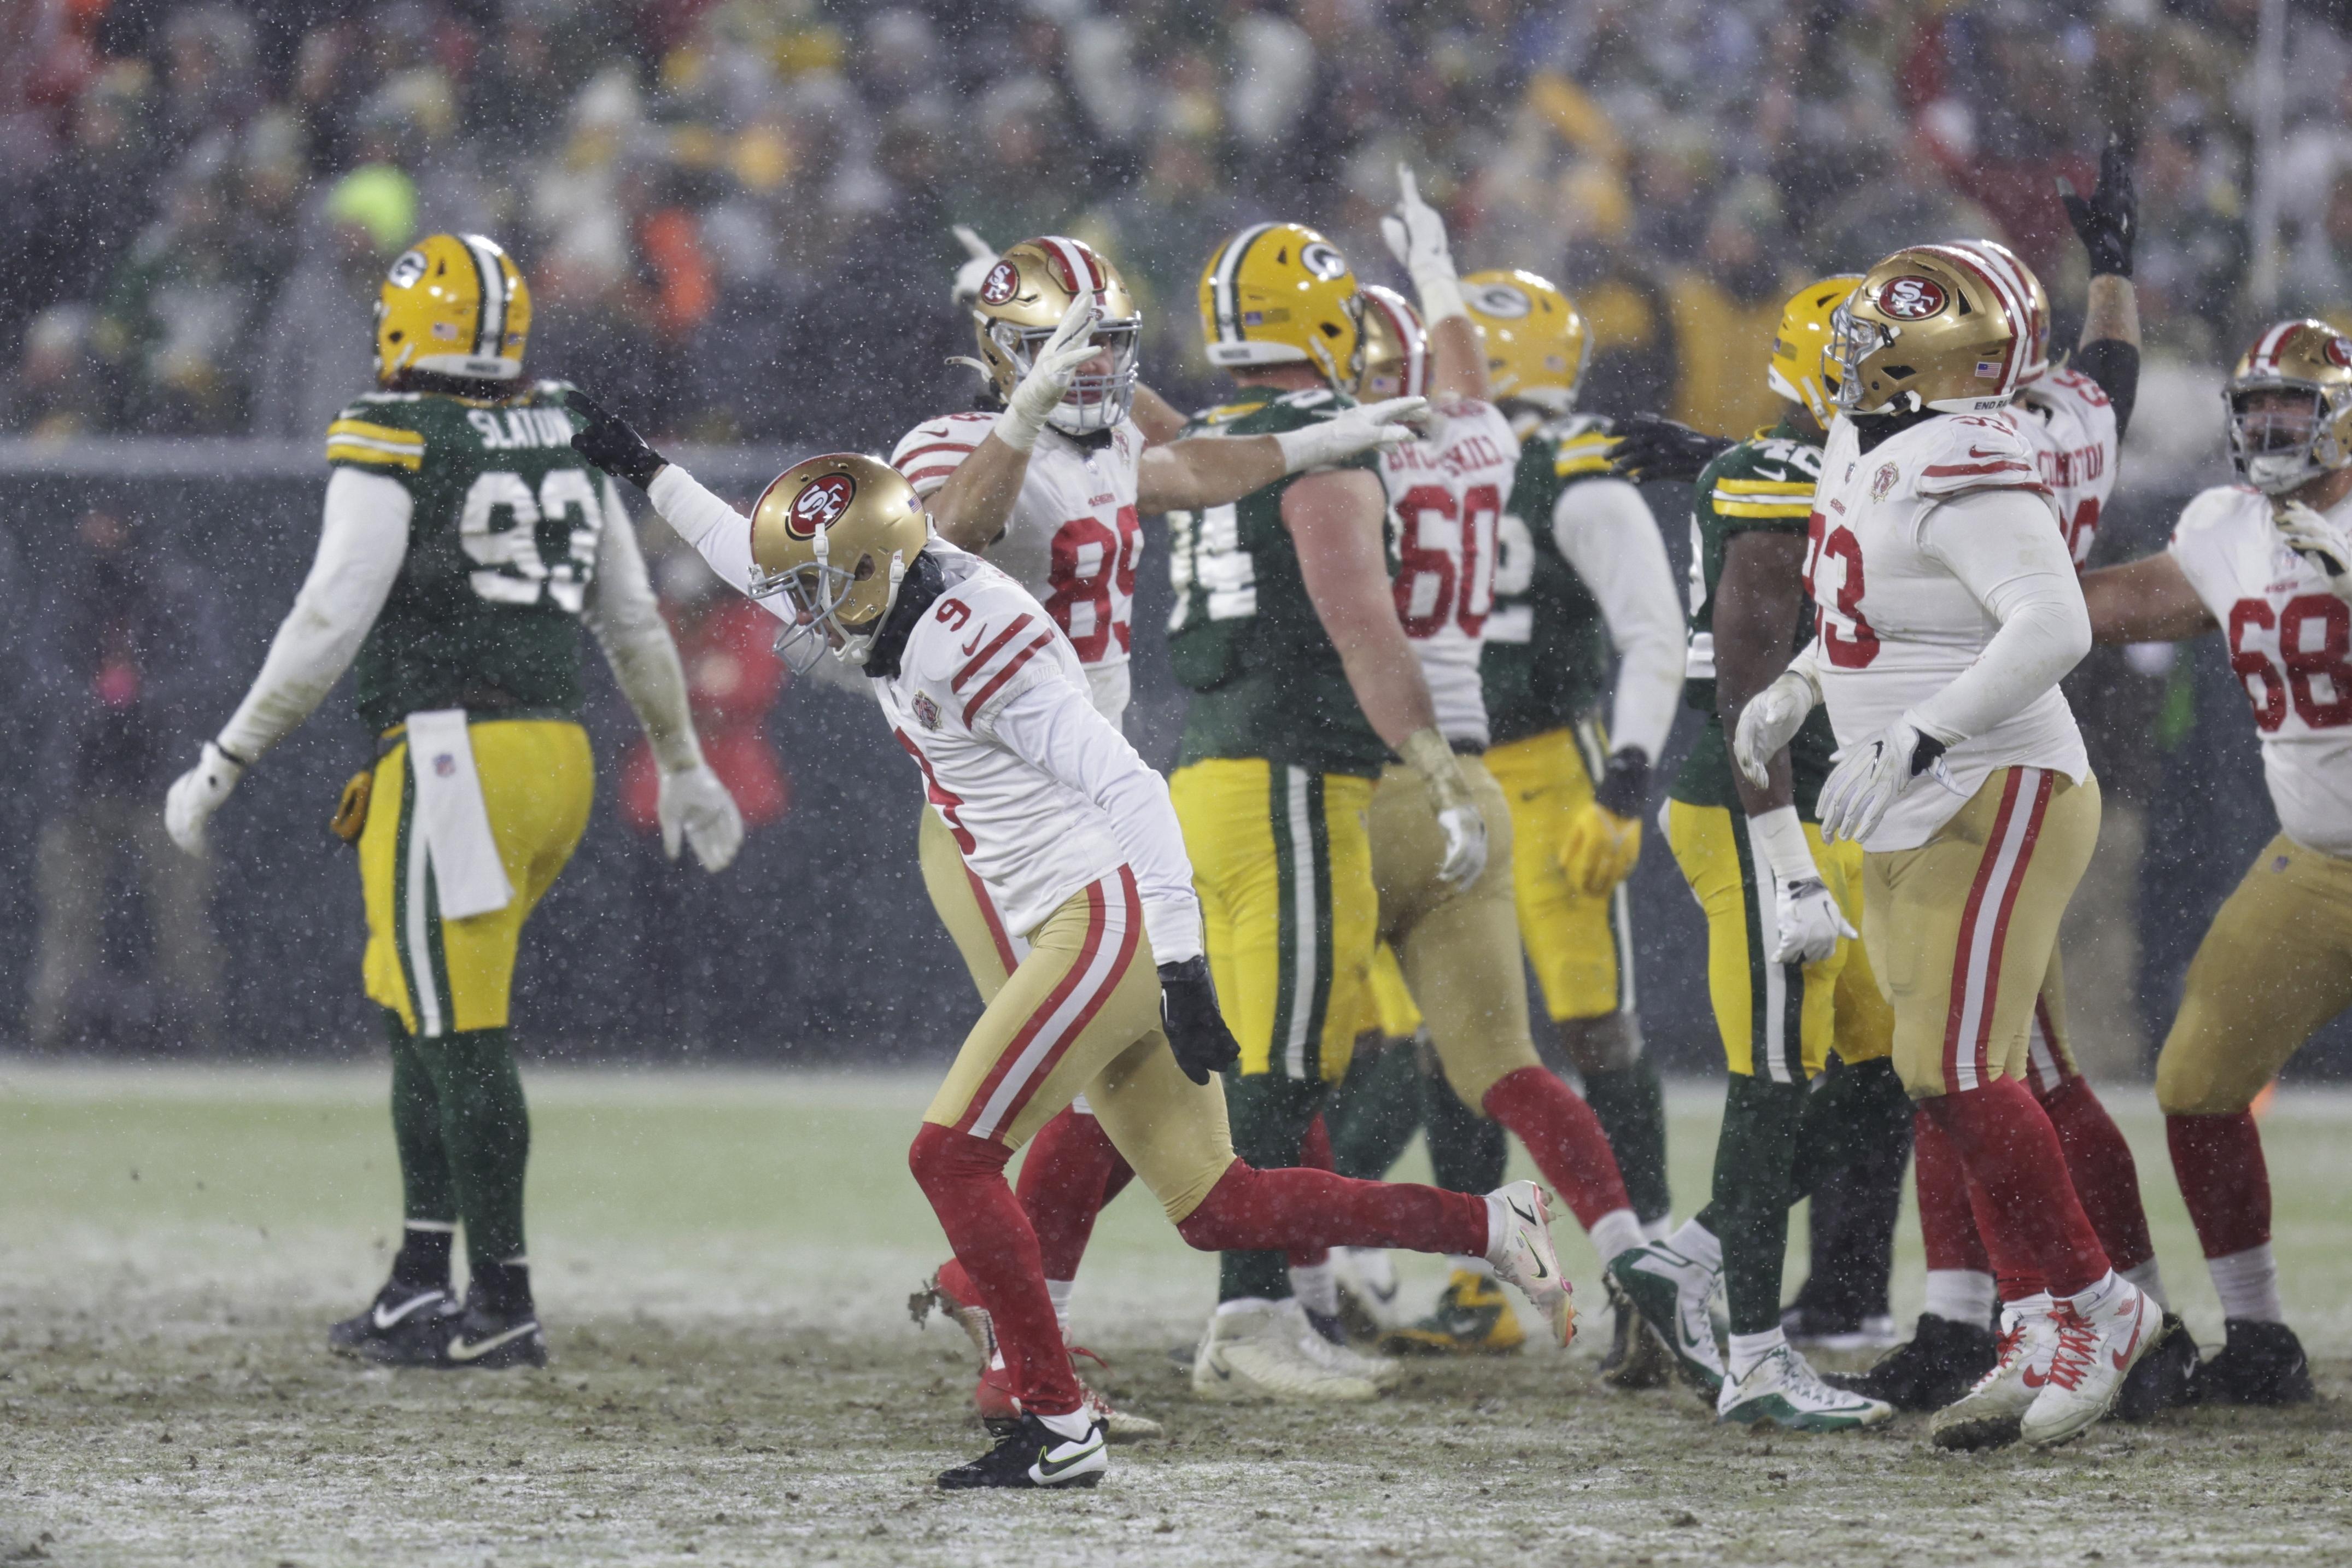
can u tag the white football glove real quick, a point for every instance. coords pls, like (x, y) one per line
(1457, 814)
(2322, 541)
(1361, 428)
(1416, 236)
(197, 794)
(695, 808)
(1050, 373)
(1770, 721)
(1871, 775)
(974, 273)
(1808, 920)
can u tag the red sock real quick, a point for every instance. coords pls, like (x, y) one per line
(2224, 1179)
(1948, 1226)
(1314, 1154)
(1564, 1139)
(2105, 1176)
(2012, 1155)
(964, 1178)
(2016, 1272)
(1069, 1173)
(1251, 1210)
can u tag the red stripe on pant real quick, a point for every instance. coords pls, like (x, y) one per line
(1999, 876)
(996, 932)
(1073, 1025)
(2225, 1180)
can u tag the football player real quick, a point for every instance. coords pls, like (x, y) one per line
(1078, 847)
(1946, 612)
(463, 546)
(2269, 563)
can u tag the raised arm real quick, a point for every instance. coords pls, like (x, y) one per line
(2108, 222)
(2147, 600)
(1415, 232)
(1210, 470)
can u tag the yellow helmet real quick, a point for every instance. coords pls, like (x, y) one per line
(2280, 449)
(835, 535)
(1932, 326)
(2037, 361)
(456, 305)
(1537, 341)
(1396, 347)
(1801, 369)
(1280, 293)
(1023, 299)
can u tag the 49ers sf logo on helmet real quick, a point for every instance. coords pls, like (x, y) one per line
(1004, 281)
(2339, 352)
(1912, 298)
(820, 504)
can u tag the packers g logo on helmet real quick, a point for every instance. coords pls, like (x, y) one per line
(1280, 293)
(455, 305)
(1801, 370)
(1536, 342)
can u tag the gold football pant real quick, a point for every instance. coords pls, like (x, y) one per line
(1080, 1012)
(1581, 948)
(2275, 964)
(1283, 868)
(1779, 1021)
(1962, 929)
(990, 952)
(450, 976)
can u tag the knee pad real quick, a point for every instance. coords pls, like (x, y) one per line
(942, 1155)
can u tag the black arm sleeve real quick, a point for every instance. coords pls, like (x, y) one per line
(2114, 365)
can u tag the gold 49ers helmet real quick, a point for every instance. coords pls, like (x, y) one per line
(1396, 348)
(1933, 326)
(1023, 299)
(835, 535)
(1801, 370)
(453, 304)
(1537, 341)
(1280, 293)
(2037, 304)
(2304, 428)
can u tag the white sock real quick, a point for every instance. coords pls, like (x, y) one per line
(1374, 1267)
(1318, 1288)
(1960, 1296)
(1658, 1229)
(1074, 1427)
(2247, 1283)
(2099, 1297)
(2150, 1279)
(1478, 1266)
(1698, 1244)
(1747, 1350)
(1242, 1304)
(1059, 1289)
(1616, 1233)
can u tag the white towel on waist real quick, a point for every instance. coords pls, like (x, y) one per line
(452, 823)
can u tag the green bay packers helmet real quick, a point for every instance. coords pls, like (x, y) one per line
(1023, 299)
(1801, 370)
(1396, 348)
(1537, 341)
(1280, 293)
(1932, 326)
(455, 305)
(834, 536)
(2282, 443)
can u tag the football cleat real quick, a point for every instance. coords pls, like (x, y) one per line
(2166, 1376)
(2260, 1363)
(1940, 1363)
(1782, 1390)
(2094, 1353)
(1379, 1371)
(1473, 1318)
(1638, 1358)
(1258, 1351)
(1032, 1455)
(1808, 1328)
(484, 1338)
(402, 1327)
(1672, 1292)
(970, 1316)
(1990, 1413)
(1525, 1258)
(1000, 1408)
(1368, 1292)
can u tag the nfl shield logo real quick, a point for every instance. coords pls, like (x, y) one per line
(1883, 481)
(926, 711)
(445, 765)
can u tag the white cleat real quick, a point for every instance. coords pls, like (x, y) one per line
(1254, 1351)
(1368, 1291)
(1672, 1293)
(1525, 1256)
(1783, 1390)
(1379, 1371)
(1990, 1415)
(2091, 1357)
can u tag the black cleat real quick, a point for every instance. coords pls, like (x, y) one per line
(2166, 1376)
(1942, 1361)
(1029, 1455)
(1809, 1327)
(487, 1339)
(2261, 1363)
(1637, 1357)
(402, 1327)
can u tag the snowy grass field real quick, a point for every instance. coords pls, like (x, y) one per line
(723, 1261)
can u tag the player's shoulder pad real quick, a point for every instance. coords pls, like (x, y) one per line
(984, 641)
(932, 451)
(1272, 416)
(1763, 479)
(380, 432)
(1581, 445)
(1952, 456)
(2219, 511)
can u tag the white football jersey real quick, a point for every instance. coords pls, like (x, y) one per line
(1896, 626)
(1074, 541)
(2068, 420)
(1446, 494)
(2290, 644)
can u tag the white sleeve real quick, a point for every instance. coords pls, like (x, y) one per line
(362, 540)
(1055, 727)
(721, 534)
(1605, 530)
(2000, 543)
(625, 620)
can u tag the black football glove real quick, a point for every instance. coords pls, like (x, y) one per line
(1652, 447)
(1195, 1028)
(607, 441)
(2109, 220)
(1624, 786)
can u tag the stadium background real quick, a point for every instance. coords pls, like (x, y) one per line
(735, 218)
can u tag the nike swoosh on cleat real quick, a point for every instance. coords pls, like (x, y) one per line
(383, 1321)
(1048, 1467)
(1521, 1212)
(2033, 1379)
(472, 1350)
(2122, 1358)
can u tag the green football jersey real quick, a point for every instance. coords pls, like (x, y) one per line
(503, 540)
(1765, 482)
(1244, 635)
(1546, 655)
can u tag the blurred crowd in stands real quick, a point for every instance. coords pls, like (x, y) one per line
(735, 213)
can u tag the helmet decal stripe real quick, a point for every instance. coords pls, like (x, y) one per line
(1085, 273)
(2009, 290)
(490, 340)
(1229, 316)
(2265, 355)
